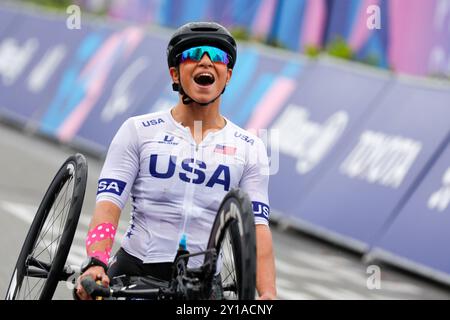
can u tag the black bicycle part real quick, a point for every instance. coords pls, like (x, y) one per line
(194, 283)
(233, 226)
(130, 287)
(67, 187)
(233, 237)
(186, 283)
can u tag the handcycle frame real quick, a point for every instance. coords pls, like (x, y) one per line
(234, 219)
(186, 283)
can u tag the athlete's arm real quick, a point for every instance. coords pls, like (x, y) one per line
(115, 182)
(265, 263)
(105, 213)
(255, 182)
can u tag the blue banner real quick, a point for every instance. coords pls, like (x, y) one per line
(379, 164)
(419, 236)
(133, 86)
(7, 17)
(350, 148)
(39, 53)
(316, 124)
(87, 79)
(254, 75)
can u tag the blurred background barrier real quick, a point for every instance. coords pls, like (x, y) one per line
(386, 158)
(362, 154)
(418, 236)
(412, 36)
(319, 118)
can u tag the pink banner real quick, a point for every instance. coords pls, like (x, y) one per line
(263, 21)
(361, 32)
(314, 24)
(411, 35)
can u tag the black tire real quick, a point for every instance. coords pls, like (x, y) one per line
(72, 173)
(235, 225)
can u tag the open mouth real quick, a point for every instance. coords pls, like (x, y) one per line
(204, 79)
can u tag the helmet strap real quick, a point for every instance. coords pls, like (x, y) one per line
(187, 99)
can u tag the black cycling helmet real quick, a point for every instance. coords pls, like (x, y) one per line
(201, 33)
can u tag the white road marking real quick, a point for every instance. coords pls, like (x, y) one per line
(284, 283)
(341, 268)
(323, 267)
(302, 272)
(22, 211)
(351, 295)
(318, 260)
(325, 292)
(386, 297)
(75, 259)
(400, 287)
(286, 294)
(360, 279)
(354, 276)
(26, 213)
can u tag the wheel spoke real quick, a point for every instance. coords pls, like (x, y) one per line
(44, 234)
(54, 218)
(50, 225)
(48, 241)
(62, 220)
(229, 283)
(31, 290)
(40, 272)
(51, 244)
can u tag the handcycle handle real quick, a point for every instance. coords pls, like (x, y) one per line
(95, 290)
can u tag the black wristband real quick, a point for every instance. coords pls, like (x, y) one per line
(74, 293)
(91, 262)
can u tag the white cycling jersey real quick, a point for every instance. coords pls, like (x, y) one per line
(177, 185)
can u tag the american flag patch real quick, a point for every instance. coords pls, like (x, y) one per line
(225, 149)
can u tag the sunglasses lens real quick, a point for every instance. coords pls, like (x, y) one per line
(196, 54)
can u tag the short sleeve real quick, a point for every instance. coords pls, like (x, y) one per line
(120, 167)
(255, 182)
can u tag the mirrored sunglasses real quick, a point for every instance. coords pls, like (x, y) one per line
(196, 54)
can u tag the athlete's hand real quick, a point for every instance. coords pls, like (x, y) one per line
(96, 273)
(267, 296)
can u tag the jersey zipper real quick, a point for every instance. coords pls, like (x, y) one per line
(189, 194)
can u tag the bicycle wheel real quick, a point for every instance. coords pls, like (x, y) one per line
(233, 238)
(46, 247)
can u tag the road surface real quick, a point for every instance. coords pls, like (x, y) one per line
(306, 267)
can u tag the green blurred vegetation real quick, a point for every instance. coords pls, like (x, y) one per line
(312, 51)
(52, 4)
(275, 43)
(371, 59)
(338, 47)
(439, 76)
(240, 33)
